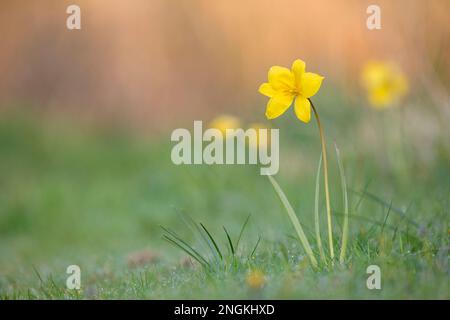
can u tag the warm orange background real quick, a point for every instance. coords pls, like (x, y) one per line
(154, 62)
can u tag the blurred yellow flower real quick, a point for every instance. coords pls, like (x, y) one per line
(254, 144)
(385, 83)
(224, 122)
(286, 85)
(256, 279)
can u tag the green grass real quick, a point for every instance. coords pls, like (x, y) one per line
(71, 194)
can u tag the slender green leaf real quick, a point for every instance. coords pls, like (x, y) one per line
(175, 236)
(229, 240)
(377, 199)
(294, 220)
(196, 228)
(256, 246)
(172, 241)
(213, 241)
(241, 232)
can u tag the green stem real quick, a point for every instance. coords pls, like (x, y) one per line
(345, 201)
(325, 176)
(316, 213)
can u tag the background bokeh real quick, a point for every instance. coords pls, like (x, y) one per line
(85, 123)
(156, 62)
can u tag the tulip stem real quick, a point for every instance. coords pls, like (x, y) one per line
(325, 176)
(316, 213)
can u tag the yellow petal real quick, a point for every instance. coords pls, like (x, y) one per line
(281, 78)
(267, 90)
(298, 69)
(278, 104)
(302, 109)
(310, 84)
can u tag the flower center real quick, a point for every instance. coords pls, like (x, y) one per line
(294, 91)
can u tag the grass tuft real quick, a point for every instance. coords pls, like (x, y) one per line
(225, 261)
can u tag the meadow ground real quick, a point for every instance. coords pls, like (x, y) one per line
(71, 194)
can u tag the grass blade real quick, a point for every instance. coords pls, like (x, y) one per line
(294, 220)
(213, 241)
(345, 201)
(195, 227)
(256, 246)
(181, 241)
(178, 245)
(380, 201)
(316, 213)
(229, 240)
(386, 217)
(242, 231)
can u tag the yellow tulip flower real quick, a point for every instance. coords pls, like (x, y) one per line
(286, 85)
(384, 82)
(283, 88)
